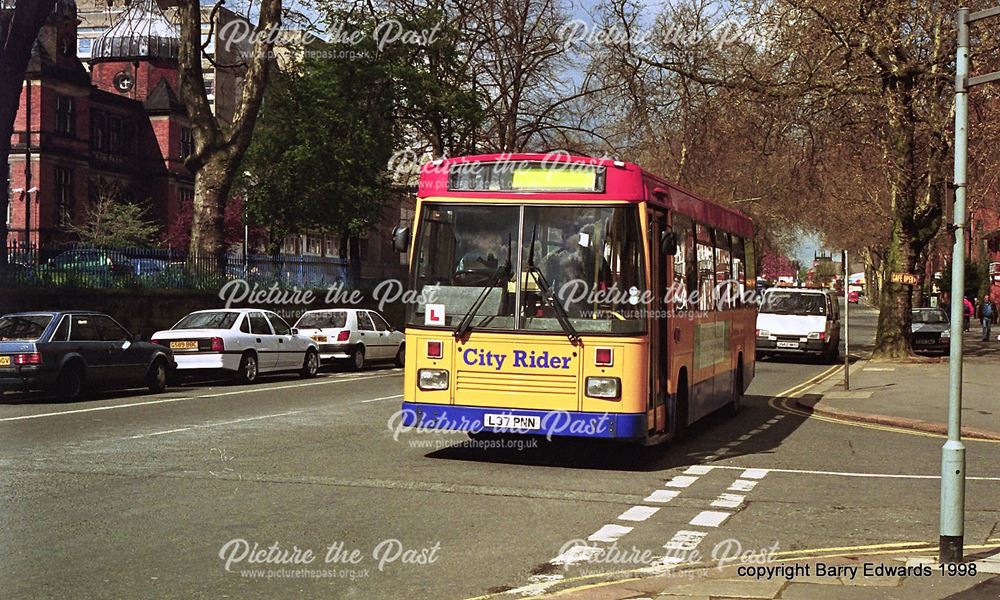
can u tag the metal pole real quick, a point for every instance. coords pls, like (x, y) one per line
(847, 324)
(953, 452)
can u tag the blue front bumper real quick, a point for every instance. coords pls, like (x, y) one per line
(631, 426)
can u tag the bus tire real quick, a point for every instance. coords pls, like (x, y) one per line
(733, 408)
(678, 425)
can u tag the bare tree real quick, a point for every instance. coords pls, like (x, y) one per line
(20, 23)
(218, 149)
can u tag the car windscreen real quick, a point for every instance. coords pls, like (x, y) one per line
(207, 320)
(23, 328)
(794, 303)
(319, 320)
(928, 316)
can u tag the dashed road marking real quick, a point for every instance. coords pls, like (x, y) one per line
(742, 485)
(205, 425)
(710, 518)
(638, 513)
(698, 470)
(681, 481)
(662, 496)
(685, 540)
(609, 533)
(728, 501)
(754, 474)
(382, 398)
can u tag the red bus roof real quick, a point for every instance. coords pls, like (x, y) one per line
(623, 181)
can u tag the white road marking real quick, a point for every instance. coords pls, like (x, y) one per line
(764, 426)
(723, 450)
(772, 421)
(755, 431)
(609, 533)
(219, 424)
(710, 518)
(879, 369)
(382, 398)
(638, 513)
(728, 501)
(681, 481)
(326, 381)
(698, 470)
(685, 540)
(779, 417)
(849, 474)
(734, 443)
(662, 496)
(576, 554)
(745, 437)
(754, 474)
(742, 485)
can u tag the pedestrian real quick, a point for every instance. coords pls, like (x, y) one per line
(967, 312)
(987, 315)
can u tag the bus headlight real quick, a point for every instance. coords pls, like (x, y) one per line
(432, 379)
(604, 387)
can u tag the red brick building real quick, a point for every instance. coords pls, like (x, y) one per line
(119, 127)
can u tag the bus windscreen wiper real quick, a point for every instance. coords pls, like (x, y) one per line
(547, 295)
(502, 274)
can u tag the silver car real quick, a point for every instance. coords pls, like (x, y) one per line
(354, 335)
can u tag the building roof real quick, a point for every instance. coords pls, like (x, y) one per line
(141, 32)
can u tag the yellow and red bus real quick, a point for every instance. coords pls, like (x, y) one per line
(565, 295)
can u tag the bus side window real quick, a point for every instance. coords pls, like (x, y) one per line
(683, 267)
(723, 271)
(739, 269)
(706, 266)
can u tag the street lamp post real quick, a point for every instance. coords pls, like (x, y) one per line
(952, 530)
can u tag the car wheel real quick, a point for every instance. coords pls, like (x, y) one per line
(358, 359)
(311, 364)
(156, 380)
(249, 369)
(69, 383)
(401, 356)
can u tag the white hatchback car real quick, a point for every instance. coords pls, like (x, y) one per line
(242, 341)
(353, 334)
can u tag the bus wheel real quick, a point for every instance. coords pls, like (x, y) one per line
(678, 425)
(734, 407)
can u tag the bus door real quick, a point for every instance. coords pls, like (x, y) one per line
(658, 372)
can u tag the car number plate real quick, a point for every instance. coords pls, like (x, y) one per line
(788, 344)
(4, 361)
(513, 422)
(319, 338)
(924, 342)
(184, 345)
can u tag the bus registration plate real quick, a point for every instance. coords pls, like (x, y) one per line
(513, 422)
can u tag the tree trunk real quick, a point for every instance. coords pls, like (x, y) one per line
(894, 339)
(212, 183)
(18, 30)
(355, 264)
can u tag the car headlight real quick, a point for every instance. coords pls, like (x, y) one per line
(946, 333)
(604, 387)
(817, 335)
(432, 379)
(763, 333)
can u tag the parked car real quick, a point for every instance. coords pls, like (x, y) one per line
(92, 261)
(799, 321)
(354, 335)
(242, 342)
(930, 330)
(68, 352)
(854, 297)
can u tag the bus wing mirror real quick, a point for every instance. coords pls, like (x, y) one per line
(668, 243)
(401, 238)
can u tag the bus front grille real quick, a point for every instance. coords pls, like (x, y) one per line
(483, 387)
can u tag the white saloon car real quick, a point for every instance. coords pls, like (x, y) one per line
(351, 334)
(244, 342)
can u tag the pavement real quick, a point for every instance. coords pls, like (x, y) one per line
(914, 394)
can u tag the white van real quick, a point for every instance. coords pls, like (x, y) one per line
(799, 321)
